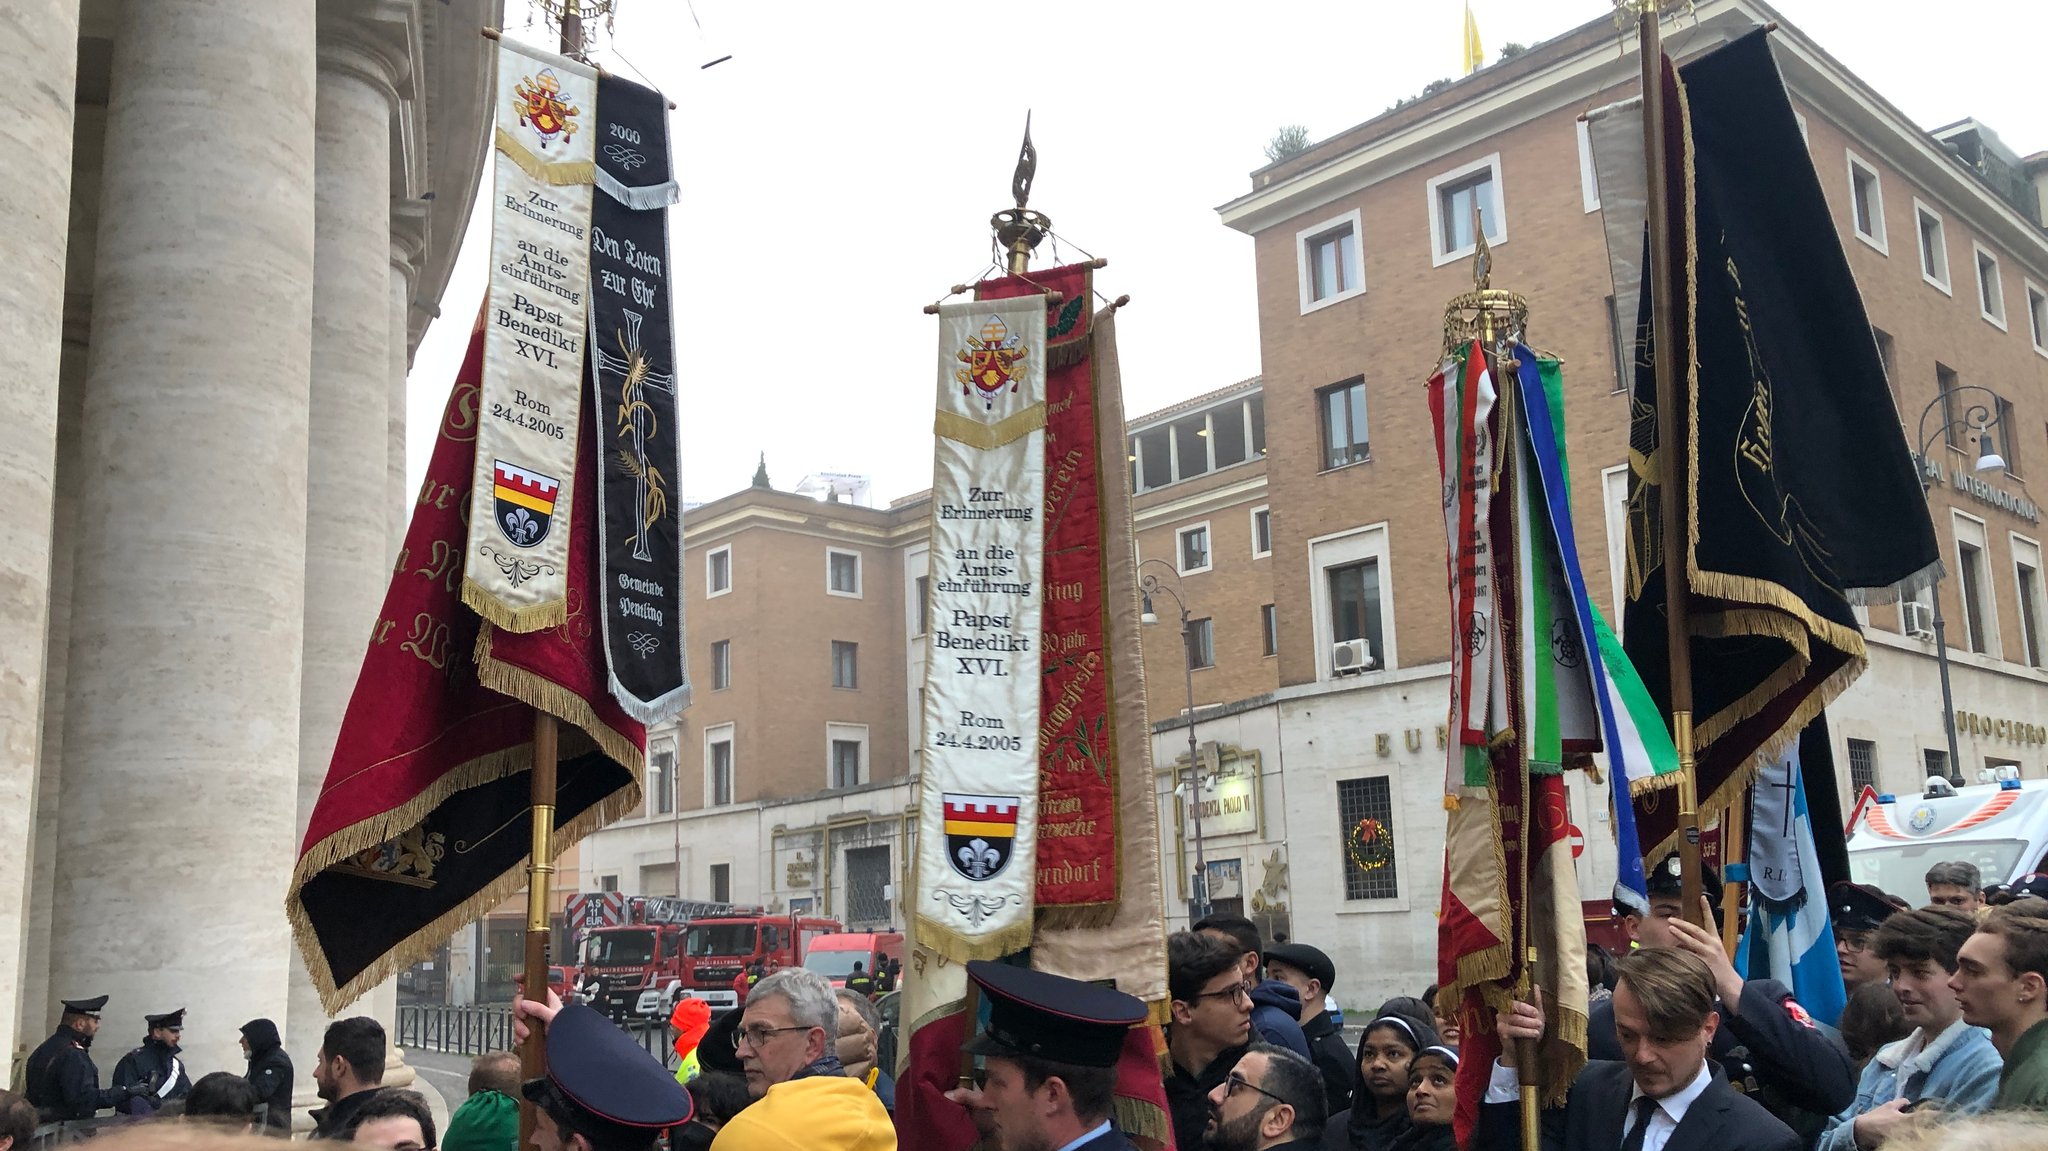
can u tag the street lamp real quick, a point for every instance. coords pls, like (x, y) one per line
(1979, 419)
(1150, 585)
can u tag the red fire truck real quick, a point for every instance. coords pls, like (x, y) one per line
(641, 953)
(716, 948)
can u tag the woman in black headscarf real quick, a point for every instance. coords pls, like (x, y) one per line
(1432, 1102)
(1379, 1088)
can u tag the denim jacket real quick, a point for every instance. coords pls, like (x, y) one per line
(1960, 1068)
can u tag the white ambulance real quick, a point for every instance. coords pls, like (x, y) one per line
(2001, 825)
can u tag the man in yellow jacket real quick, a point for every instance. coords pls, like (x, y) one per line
(803, 1100)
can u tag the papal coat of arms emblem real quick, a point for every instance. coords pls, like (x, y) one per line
(542, 108)
(980, 830)
(992, 360)
(525, 502)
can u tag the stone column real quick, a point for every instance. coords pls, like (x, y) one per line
(408, 247)
(182, 707)
(36, 1003)
(39, 56)
(348, 559)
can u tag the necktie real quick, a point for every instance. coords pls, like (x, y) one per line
(1633, 1141)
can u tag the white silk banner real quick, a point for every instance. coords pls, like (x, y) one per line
(981, 701)
(517, 572)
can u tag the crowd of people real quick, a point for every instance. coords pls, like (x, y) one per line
(1943, 1045)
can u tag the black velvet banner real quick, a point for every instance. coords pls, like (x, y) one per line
(632, 373)
(1803, 492)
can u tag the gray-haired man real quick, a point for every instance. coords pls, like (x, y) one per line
(1956, 884)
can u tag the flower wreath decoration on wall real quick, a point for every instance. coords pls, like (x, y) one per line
(1370, 844)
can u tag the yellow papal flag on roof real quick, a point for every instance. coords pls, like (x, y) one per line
(1475, 56)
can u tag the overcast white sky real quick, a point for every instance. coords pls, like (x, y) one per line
(839, 171)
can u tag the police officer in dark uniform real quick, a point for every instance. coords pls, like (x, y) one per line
(61, 1080)
(1856, 911)
(860, 981)
(156, 1061)
(601, 1084)
(1062, 1035)
(1767, 1045)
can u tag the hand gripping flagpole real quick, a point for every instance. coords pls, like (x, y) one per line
(1673, 472)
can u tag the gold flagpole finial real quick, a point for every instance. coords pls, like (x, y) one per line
(1485, 313)
(1018, 230)
(1482, 255)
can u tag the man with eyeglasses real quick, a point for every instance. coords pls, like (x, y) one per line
(155, 1064)
(1858, 910)
(1272, 1099)
(1212, 1024)
(803, 1098)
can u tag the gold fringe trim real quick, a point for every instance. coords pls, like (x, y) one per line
(1650, 783)
(546, 171)
(1476, 970)
(1068, 352)
(988, 437)
(1139, 1119)
(533, 617)
(1076, 916)
(1159, 1013)
(423, 943)
(1565, 1057)
(548, 696)
(960, 948)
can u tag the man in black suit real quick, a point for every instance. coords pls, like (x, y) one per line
(1766, 1044)
(1664, 1096)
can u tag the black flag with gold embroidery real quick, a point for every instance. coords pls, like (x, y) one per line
(1803, 494)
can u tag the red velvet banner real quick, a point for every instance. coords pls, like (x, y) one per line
(1077, 788)
(420, 827)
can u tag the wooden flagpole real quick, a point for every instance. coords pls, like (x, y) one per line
(1672, 471)
(540, 867)
(1528, 1051)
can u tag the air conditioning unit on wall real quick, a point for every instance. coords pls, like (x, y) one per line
(1919, 619)
(1351, 656)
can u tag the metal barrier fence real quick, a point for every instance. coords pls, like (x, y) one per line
(469, 1030)
(480, 1029)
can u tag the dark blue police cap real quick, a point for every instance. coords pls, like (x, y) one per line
(1861, 906)
(1051, 1017)
(602, 1073)
(85, 1006)
(1667, 879)
(171, 1019)
(2003, 893)
(718, 1051)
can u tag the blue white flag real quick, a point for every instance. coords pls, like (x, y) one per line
(1788, 937)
